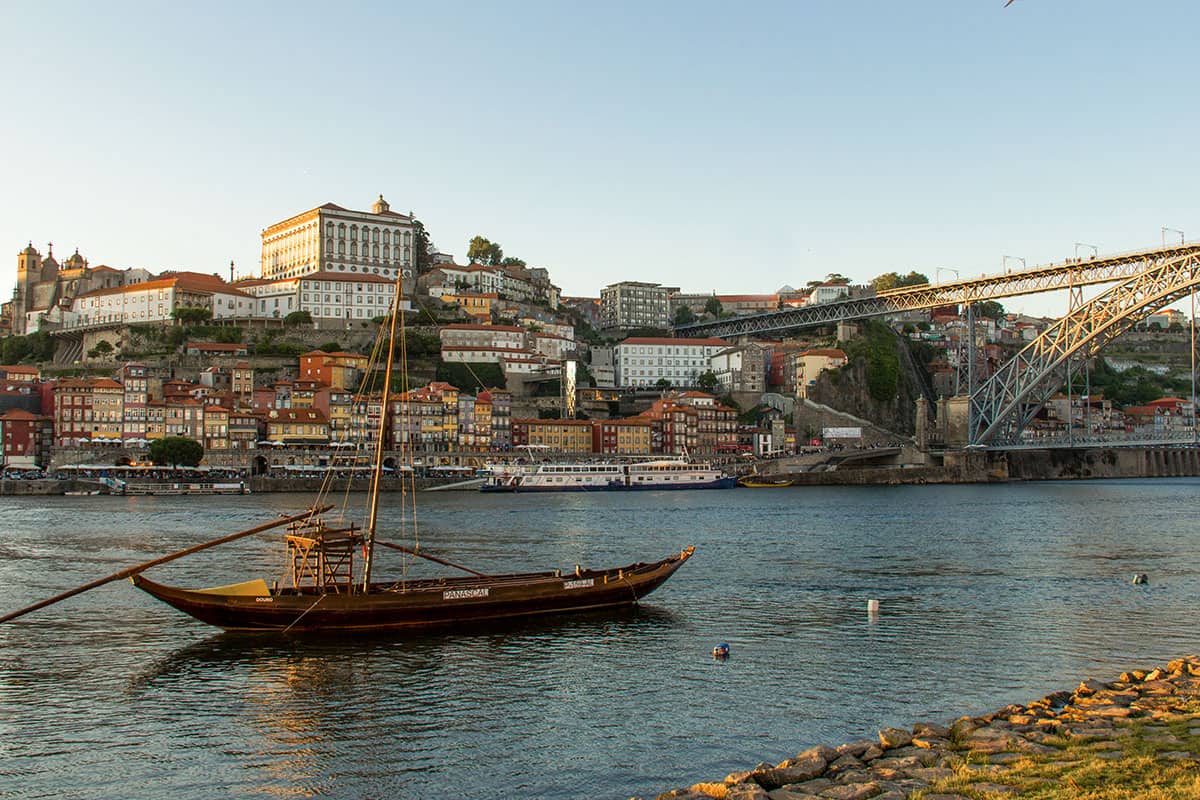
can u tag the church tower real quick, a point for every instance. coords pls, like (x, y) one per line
(29, 272)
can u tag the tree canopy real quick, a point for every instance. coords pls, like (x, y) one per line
(176, 451)
(707, 381)
(894, 280)
(712, 306)
(298, 318)
(683, 316)
(481, 250)
(989, 309)
(421, 245)
(190, 315)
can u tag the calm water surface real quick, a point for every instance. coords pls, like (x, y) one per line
(988, 595)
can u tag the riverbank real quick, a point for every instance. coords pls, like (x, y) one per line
(1135, 737)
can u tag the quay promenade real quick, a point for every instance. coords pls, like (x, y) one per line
(1133, 737)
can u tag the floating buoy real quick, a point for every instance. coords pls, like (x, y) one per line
(721, 650)
(1139, 578)
(872, 606)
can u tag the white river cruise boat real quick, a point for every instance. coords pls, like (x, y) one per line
(606, 476)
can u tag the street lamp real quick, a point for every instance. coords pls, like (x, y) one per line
(1095, 250)
(1171, 230)
(1005, 259)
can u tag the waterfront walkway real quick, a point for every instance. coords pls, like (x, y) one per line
(1135, 737)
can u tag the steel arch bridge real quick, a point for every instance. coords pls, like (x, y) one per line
(1071, 275)
(1007, 401)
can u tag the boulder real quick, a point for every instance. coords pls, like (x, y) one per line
(797, 770)
(855, 749)
(746, 791)
(857, 791)
(894, 737)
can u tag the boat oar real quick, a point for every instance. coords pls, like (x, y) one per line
(435, 559)
(125, 573)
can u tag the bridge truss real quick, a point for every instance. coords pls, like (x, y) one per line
(1070, 275)
(1001, 408)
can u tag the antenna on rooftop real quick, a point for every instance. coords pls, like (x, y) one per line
(231, 270)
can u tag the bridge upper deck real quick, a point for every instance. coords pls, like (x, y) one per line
(1044, 278)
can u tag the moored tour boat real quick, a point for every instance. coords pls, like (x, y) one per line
(606, 476)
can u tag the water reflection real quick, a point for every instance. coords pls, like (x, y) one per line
(987, 595)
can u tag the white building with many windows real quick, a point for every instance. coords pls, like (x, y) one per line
(332, 239)
(329, 297)
(644, 361)
(155, 300)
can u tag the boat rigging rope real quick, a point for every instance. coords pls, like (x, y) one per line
(305, 612)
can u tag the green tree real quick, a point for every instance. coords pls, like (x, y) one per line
(298, 318)
(330, 347)
(712, 307)
(512, 261)
(877, 347)
(989, 309)
(683, 316)
(894, 280)
(191, 315)
(663, 384)
(421, 247)
(707, 381)
(176, 451)
(481, 250)
(103, 349)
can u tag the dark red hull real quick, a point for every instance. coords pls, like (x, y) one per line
(421, 605)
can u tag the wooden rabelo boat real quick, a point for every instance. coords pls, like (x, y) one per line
(329, 585)
(763, 482)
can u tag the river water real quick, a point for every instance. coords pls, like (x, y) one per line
(987, 594)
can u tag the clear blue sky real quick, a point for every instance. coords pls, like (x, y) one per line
(706, 145)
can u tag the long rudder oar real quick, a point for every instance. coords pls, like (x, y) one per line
(125, 573)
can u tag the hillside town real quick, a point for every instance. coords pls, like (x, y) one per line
(276, 368)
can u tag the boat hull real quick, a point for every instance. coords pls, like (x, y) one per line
(419, 605)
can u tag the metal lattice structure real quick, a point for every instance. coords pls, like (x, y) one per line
(1052, 277)
(1006, 402)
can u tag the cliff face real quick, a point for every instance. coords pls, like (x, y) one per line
(846, 390)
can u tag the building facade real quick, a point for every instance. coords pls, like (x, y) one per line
(633, 304)
(337, 240)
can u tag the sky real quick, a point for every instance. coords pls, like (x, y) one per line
(713, 147)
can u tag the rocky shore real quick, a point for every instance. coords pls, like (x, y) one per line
(1137, 736)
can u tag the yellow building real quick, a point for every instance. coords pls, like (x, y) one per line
(569, 436)
(303, 426)
(216, 428)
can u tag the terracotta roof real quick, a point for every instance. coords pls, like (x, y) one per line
(483, 348)
(297, 415)
(186, 281)
(20, 370)
(18, 413)
(827, 352)
(469, 327)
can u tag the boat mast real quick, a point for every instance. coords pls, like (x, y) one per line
(377, 473)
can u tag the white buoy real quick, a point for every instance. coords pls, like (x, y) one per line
(872, 606)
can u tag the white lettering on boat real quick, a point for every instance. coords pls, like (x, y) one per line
(463, 594)
(264, 600)
(581, 584)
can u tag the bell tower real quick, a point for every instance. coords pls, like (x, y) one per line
(29, 272)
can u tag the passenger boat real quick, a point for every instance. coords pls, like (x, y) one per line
(606, 476)
(329, 584)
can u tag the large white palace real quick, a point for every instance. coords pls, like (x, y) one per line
(330, 238)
